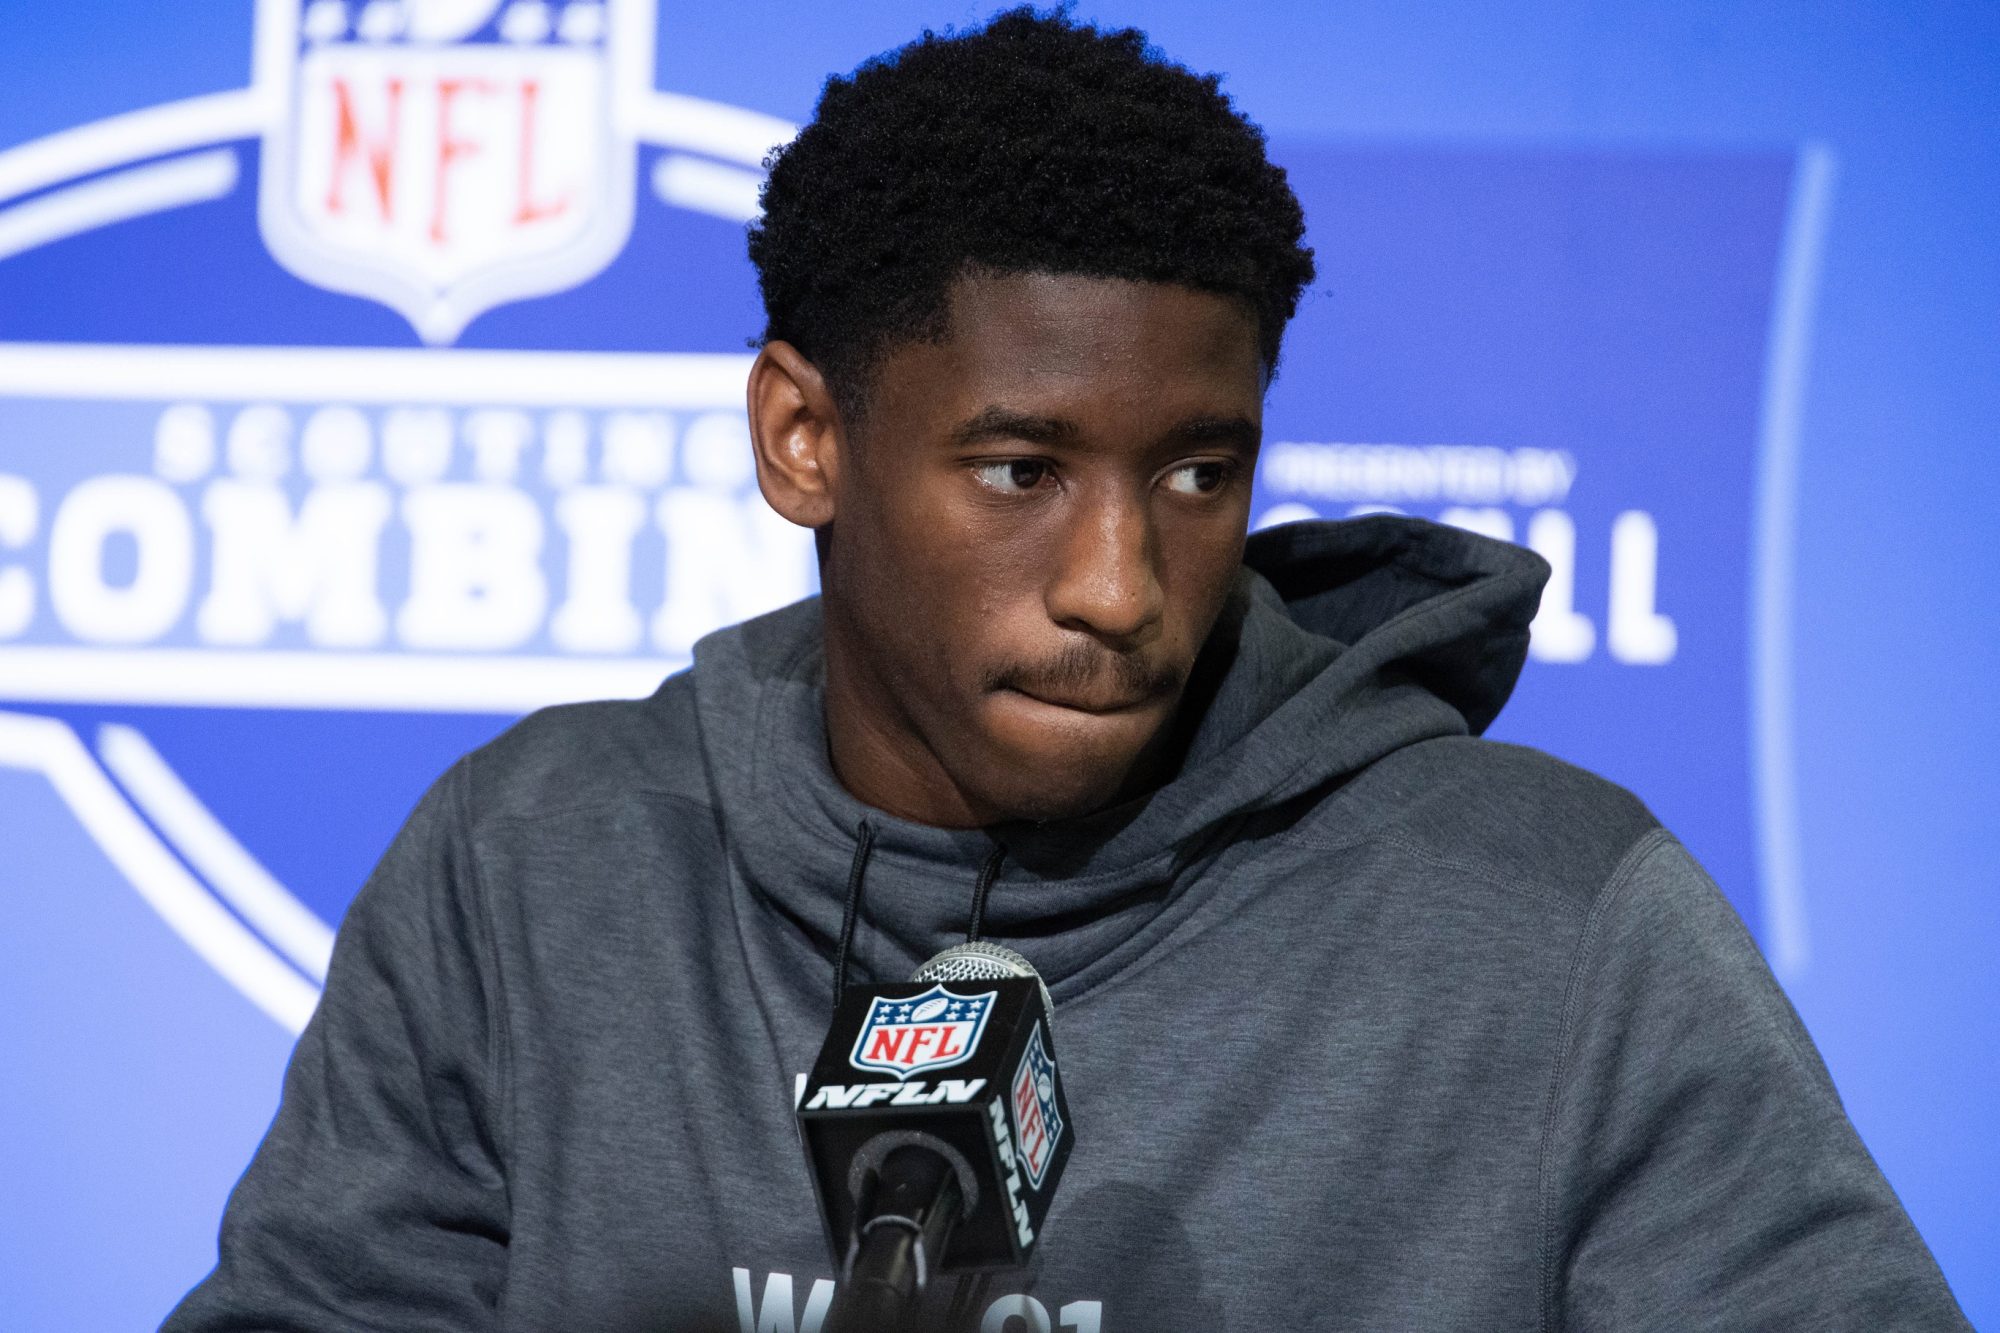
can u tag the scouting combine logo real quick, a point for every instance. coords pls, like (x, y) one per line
(934, 1030)
(444, 156)
(247, 519)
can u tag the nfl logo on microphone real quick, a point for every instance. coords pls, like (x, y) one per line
(1038, 1122)
(447, 156)
(933, 1030)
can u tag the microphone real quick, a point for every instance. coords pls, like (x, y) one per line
(936, 1129)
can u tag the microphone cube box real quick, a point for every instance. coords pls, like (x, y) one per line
(967, 1068)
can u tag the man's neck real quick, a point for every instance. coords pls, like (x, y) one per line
(879, 757)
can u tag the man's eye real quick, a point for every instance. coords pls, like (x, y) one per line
(1198, 478)
(1016, 476)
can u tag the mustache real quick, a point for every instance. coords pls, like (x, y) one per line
(1082, 667)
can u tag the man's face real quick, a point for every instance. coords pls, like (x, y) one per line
(1035, 529)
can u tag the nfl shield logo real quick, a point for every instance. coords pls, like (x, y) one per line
(1038, 1123)
(447, 156)
(928, 1031)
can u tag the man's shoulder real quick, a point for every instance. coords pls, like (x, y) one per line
(577, 756)
(1502, 813)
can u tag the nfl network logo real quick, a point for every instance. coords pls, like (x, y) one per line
(933, 1030)
(1038, 1123)
(446, 156)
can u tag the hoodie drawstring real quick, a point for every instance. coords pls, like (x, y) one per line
(864, 843)
(864, 847)
(987, 874)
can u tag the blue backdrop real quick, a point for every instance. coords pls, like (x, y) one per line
(370, 373)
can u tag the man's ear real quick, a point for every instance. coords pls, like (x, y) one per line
(795, 431)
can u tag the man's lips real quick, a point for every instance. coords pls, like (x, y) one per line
(1084, 703)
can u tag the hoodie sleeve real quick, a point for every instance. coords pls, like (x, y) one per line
(1699, 1172)
(377, 1201)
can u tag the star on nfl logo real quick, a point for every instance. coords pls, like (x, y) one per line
(929, 1031)
(447, 156)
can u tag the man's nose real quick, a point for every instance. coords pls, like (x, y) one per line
(1107, 583)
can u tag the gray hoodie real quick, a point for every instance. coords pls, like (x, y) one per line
(1366, 1023)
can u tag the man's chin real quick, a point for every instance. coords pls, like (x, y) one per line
(1042, 803)
(1053, 763)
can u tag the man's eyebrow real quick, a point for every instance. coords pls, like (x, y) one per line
(1232, 430)
(999, 423)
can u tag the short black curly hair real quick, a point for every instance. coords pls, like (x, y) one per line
(1032, 144)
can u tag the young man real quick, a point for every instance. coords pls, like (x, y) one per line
(1366, 1023)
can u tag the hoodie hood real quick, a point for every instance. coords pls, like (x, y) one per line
(1341, 643)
